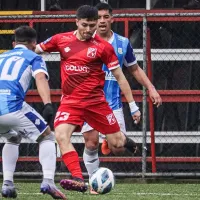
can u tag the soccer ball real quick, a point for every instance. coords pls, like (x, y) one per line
(102, 180)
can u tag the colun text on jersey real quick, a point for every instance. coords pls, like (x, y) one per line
(80, 69)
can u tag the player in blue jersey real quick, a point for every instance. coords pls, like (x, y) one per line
(17, 119)
(125, 53)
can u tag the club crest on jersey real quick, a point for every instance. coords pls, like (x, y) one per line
(91, 53)
(120, 50)
(67, 49)
(111, 119)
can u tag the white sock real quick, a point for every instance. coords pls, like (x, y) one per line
(47, 158)
(91, 160)
(10, 154)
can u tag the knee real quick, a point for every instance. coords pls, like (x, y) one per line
(91, 140)
(92, 145)
(60, 136)
(47, 137)
(117, 147)
(116, 143)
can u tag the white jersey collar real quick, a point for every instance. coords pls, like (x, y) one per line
(112, 38)
(20, 46)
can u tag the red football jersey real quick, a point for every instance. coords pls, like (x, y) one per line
(81, 66)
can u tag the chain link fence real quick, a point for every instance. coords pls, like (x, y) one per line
(167, 48)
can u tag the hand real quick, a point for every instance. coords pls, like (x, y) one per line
(155, 97)
(136, 117)
(48, 112)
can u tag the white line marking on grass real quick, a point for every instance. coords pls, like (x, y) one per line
(157, 194)
(29, 193)
(137, 194)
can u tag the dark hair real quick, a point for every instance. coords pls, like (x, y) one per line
(25, 34)
(87, 12)
(104, 6)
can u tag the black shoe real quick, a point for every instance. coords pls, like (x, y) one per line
(192, 5)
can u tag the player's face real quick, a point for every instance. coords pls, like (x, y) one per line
(104, 22)
(86, 28)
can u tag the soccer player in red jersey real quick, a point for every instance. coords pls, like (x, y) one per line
(82, 55)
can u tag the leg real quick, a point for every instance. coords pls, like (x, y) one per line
(10, 154)
(90, 155)
(47, 158)
(91, 161)
(41, 133)
(70, 158)
(119, 115)
(102, 119)
(118, 142)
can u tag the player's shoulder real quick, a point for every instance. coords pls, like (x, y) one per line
(30, 53)
(25, 53)
(121, 38)
(101, 42)
(65, 35)
(31, 56)
(60, 36)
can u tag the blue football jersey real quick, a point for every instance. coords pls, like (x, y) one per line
(17, 67)
(126, 56)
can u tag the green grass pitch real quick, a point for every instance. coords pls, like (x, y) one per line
(122, 191)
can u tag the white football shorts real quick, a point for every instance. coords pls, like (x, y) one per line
(27, 122)
(120, 119)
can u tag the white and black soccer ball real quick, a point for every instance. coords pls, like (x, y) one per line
(102, 180)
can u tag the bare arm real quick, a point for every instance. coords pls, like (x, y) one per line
(123, 84)
(126, 90)
(43, 87)
(141, 77)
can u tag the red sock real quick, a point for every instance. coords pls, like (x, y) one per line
(71, 160)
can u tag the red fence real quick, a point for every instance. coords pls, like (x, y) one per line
(154, 59)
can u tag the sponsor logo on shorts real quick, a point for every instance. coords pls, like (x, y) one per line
(76, 69)
(91, 53)
(111, 119)
(26, 133)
